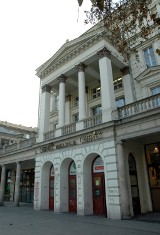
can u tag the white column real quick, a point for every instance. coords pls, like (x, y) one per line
(61, 117)
(107, 88)
(82, 91)
(128, 91)
(44, 112)
(17, 184)
(2, 185)
(124, 195)
(68, 110)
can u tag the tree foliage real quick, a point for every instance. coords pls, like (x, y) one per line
(124, 19)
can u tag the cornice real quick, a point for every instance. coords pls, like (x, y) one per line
(71, 55)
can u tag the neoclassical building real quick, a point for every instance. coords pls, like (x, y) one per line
(98, 145)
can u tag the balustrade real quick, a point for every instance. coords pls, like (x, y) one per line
(139, 106)
(93, 121)
(49, 135)
(69, 129)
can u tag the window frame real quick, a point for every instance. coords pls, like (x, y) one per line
(149, 54)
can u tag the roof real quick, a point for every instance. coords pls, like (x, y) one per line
(7, 131)
(8, 125)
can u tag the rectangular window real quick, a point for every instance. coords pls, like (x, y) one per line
(76, 101)
(96, 110)
(117, 84)
(155, 90)
(120, 102)
(149, 57)
(76, 117)
(96, 92)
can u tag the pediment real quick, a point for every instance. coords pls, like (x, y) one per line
(148, 73)
(70, 46)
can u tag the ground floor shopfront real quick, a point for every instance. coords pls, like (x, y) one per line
(117, 179)
(17, 182)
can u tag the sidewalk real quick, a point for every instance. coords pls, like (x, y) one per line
(24, 220)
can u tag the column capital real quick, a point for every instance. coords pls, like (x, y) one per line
(125, 71)
(46, 88)
(81, 67)
(120, 142)
(62, 78)
(104, 53)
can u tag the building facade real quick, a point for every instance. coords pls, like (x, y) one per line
(98, 145)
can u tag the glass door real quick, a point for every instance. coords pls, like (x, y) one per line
(153, 162)
(72, 188)
(51, 189)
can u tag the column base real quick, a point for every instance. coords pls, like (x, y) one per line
(16, 204)
(126, 217)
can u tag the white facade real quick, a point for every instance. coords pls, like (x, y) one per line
(97, 107)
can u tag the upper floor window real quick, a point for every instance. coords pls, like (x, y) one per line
(120, 102)
(149, 57)
(76, 101)
(96, 92)
(96, 110)
(155, 90)
(57, 103)
(118, 84)
(76, 117)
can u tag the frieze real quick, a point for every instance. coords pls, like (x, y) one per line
(95, 135)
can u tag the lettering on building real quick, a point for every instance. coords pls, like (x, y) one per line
(86, 138)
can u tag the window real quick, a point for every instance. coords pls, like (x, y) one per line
(120, 102)
(57, 103)
(96, 110)
(117, 84)
(76, 117)
(96, 92)
(155, 90)
(76, 101)
(149, 57)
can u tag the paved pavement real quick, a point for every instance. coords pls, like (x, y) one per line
(24, 220)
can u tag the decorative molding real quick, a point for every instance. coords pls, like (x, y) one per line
(81, 67)
(46, 88)
(125, 71)
(73, 54)
(104, 53)
(62, 78)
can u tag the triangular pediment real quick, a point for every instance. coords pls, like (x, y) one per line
(69, 46)
(149, 72)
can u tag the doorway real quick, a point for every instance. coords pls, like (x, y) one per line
(98, 187)
(134, 185)
(153, 163)
(51, 188)
(72, 188)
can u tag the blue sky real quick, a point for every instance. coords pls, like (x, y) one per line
(31, 32)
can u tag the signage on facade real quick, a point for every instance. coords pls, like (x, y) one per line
(85, 138)
(98, 165)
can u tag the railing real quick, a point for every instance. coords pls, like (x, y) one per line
(27, 143)
(93, 121)
(11, 148)
(140, 106)
(20, 145)
(49, 135)
(69, 129)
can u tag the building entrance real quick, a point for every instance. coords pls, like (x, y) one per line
(98, 187)
(134, 185)
(27, 186)
(72, 188)
(153, 163)
(51, 189)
